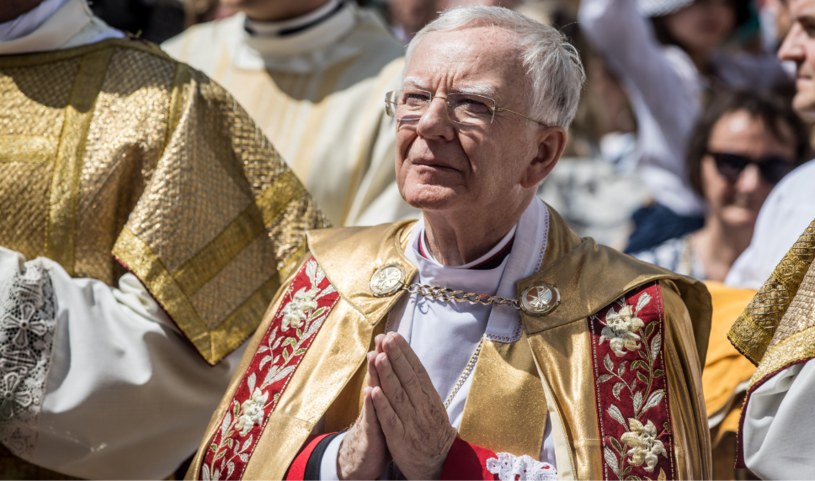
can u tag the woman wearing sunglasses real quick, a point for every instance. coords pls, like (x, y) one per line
(669, 55)
(743, 144)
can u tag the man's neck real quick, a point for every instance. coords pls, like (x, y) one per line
(277, 11)
(11, 9)
(461, 239)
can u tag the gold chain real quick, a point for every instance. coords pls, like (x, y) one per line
(451, 295)
(447, 295)
(462, 378)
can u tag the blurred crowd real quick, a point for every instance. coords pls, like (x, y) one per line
(688, 123)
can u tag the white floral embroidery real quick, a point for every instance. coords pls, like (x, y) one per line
(622, 330)
(27, 324)
(301, 305)
(510, 468)
(251, 412)
(642, 439)
(302, 312)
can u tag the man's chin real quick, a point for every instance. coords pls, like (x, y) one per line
(804, 105)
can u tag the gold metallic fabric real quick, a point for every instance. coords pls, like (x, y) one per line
(515, 385)
(754, 330)
(116, 157)
(794, 338)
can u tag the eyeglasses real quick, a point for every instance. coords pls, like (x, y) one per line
(409, 105)
(771, 167)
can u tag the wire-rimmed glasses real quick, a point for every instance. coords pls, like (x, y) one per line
(408, 105)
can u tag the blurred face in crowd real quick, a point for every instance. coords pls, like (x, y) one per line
(703, 26)
(411, 15)
(744, 161)
(444, 166)
(799, 47)
(272, 10)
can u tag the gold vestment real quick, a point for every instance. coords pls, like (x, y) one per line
(548, 371)
(115, 157)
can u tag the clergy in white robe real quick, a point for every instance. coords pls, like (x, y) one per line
(313, 76)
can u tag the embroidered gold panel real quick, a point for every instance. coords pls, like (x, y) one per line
(753, 331)
(115, 154)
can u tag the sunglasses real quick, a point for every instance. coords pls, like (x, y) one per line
(771, 167)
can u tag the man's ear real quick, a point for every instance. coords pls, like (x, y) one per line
(551, 142)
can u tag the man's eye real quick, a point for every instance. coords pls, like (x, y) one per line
(472, 105)
(414, 98)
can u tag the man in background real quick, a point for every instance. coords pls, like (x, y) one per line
(313, 75)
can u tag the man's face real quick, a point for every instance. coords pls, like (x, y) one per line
(799, 47)
(465, 169)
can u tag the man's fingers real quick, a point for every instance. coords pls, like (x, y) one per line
(391, 386)
(412, 378)
(389, 421)
(378, 342)
(373, 375)
(369, 413)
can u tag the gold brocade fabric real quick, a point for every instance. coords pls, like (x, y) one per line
(756, 328)
(548, 370)
(794, 338)
(116, 157)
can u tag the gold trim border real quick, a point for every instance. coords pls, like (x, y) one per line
(64, 198)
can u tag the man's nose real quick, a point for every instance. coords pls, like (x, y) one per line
(792, 48)
(435, 122)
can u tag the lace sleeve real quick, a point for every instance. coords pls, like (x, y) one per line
(27, 323)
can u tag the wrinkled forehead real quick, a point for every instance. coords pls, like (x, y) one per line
(482, 59)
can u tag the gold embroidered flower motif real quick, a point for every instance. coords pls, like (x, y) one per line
(301, 305)
(621, 330)
(645, 447)
(251, 412)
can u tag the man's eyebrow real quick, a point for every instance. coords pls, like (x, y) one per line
(484, 90)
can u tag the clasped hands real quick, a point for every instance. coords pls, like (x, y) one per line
(402, 418)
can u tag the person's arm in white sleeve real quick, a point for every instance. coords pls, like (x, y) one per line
(97, 382)
(778, 426)
(664, 81)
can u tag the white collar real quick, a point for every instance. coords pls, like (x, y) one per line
(528, 247)
(60, 24)
(276, 29)
(29, 21)
(303, 51)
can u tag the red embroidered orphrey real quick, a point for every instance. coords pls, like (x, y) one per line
(303, 308)
(631, 388)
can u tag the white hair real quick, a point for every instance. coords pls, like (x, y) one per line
(552, 64)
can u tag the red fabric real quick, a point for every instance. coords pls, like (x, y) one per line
(297, 470)
(467, 461)
(304, 306)
(631, 387)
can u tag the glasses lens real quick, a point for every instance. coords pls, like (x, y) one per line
(470, 108)
(773, 169)
(730, 165)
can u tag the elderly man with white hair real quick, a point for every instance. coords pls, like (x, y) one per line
(486, 340)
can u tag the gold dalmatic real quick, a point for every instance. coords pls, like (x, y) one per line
(115, 157)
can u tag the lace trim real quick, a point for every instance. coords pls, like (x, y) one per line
(510, 468)
(27, 324)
